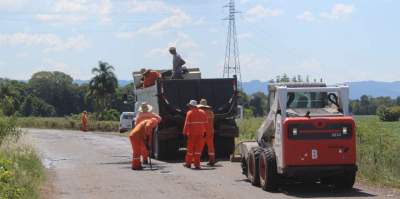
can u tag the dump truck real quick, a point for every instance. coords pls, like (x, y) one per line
(308, 135)
(169, 99)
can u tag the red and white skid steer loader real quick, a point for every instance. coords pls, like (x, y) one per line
(308, 134)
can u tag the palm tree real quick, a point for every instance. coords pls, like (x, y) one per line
(103, 84)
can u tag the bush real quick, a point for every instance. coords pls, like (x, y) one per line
(8, 129)
(388, 113)
(108, 115)
(33, 106)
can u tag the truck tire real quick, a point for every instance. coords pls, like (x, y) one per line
(252, 167)
(267, 170)
(345, 181)
(244, 166)
(224, 146)
(160, 147)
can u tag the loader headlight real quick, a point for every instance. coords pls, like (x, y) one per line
(294, 131)
(344, 130)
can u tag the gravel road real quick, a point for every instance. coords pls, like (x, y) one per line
(90, 165)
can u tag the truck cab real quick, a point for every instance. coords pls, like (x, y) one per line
(308, 134)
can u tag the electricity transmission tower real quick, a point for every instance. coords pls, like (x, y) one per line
(232, 62)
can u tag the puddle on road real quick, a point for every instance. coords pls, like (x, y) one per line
(51, 163)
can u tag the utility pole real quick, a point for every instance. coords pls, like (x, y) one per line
(232, 62)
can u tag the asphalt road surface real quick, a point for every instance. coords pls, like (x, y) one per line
(90, 165)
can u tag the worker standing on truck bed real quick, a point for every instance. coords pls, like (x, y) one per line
(177, 63)
(194, 128)
(140, 137)
(144, 114)
(84, 121)
(150, 77)
(209, 138)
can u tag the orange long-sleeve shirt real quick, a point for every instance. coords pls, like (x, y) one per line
(146, 115)
(150, 78)
(196, 122)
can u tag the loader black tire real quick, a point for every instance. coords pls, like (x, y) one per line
(269, 178)
(345, 181)
(252, 167)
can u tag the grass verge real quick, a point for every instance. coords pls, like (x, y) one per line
(66, 123)
(21, 172)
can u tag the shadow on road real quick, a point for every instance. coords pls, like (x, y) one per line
(315, 190)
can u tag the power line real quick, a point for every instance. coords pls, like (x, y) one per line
(232, 62)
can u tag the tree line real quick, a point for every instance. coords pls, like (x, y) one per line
(48, 94)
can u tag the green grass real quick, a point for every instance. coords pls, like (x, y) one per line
(378, 148)
(378, 156)
(66, 123)
(21, 172)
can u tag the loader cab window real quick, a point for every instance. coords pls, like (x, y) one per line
(314, 102)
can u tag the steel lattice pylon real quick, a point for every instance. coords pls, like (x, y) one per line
(232, 62)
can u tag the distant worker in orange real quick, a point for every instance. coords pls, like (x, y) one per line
(84, 121)
(140, 137)
(209, 138)
(144, 113)
(150, 77)
(194, 128)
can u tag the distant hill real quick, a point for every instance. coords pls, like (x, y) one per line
(374, 88)
(357, 89)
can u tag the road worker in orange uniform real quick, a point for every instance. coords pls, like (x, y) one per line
(150, 77)
(195, 128)
(139, 137)
(84, 121)
(144, 113)
(209, 139)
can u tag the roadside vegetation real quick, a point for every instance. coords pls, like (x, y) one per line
(21, 172)
(70, 123)
(378, 145)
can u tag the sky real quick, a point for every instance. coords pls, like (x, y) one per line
(339, 41)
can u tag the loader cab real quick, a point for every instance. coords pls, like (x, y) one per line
(308, 99)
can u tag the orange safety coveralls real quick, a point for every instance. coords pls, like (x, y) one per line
(194, 128)
(209, 139)
(138, 137)
(150, 78)
(141, 117)
(84, 121)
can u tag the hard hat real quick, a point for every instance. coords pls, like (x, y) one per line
(193, 103)
(203, 104)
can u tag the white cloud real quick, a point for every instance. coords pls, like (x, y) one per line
(104, 9)
(10, 5)
(176, 20)
(260, 12)
(338, 11)
(136, 6)
(76, 11)
(183, 42)
(50, 42)
(306, 16)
